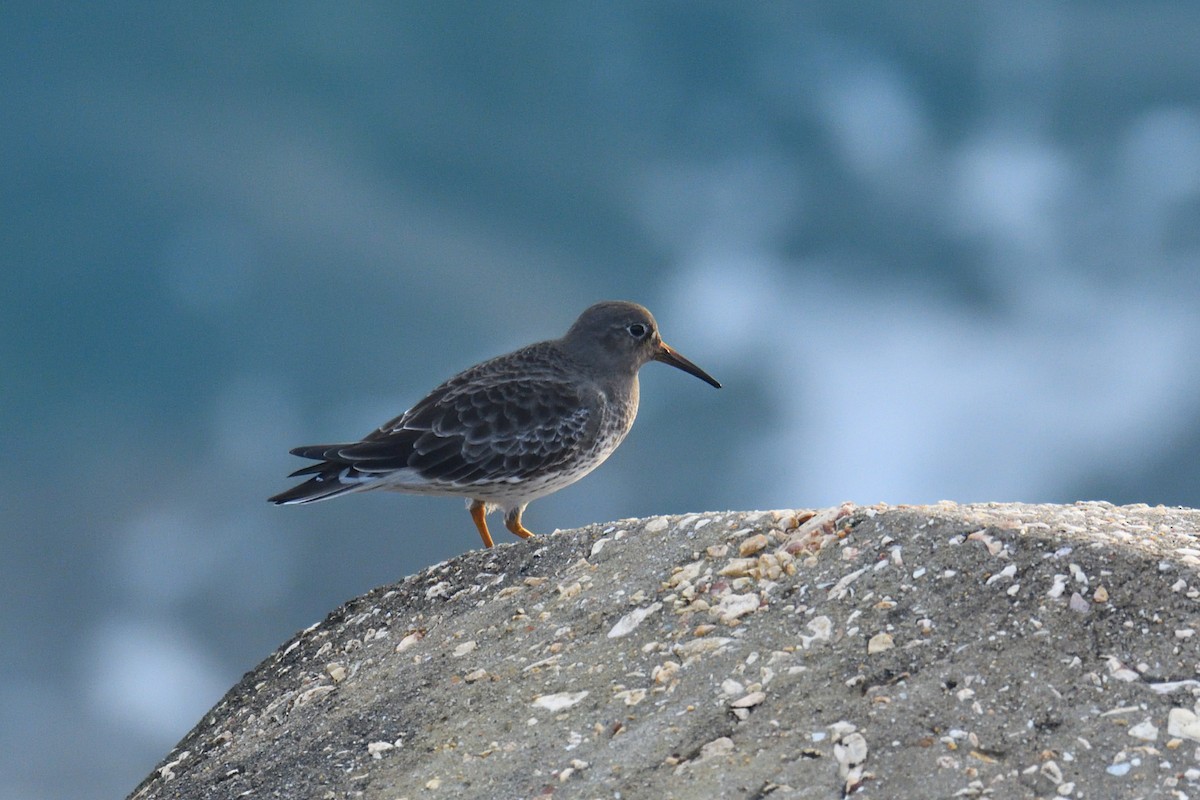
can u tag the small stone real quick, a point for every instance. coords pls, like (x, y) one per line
(630, 621)
(749, 701)
(409, 640)
(377, 749)
(879, 643)
(734, 606)
(1052, 772)
(336, 671)
(685, 575)
(701, 646)
(315, 693)
(1100, 595)
(1183, 723)
(822, 628)
(559, 701)
(753, 544)
(1078, 604)
(665, 672)
(464, 648)
(715, 748)
(657, 524)
(475, 675)
(1146, 731)
(739, 567)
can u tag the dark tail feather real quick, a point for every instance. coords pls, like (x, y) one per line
(317, 452)
(322, 487)
(330, 477)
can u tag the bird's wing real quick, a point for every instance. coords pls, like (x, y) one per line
(490, 429)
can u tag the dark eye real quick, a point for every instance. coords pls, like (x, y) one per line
(637, 330)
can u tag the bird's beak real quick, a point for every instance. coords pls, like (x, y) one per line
(668, 356)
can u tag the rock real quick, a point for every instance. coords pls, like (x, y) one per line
(560, 674)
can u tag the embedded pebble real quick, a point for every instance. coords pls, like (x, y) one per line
(734, 606)
(1183, 723)
(1007, 572)
(628, 623)
(377, 749)
(749, 701)
(1145, 731)
(822, 629)
(665, 672)
(879, 643)
(717, 747)
(656, 525)
(753, 544)
(439, 589)
(464, 648)
(559, 701)
(850, 753)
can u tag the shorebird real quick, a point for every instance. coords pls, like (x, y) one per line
(510, 430)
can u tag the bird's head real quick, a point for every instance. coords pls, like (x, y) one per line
(617, 335)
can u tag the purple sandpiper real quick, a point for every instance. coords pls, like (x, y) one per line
(510, 430)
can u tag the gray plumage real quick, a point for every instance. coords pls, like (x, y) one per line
(509, 430)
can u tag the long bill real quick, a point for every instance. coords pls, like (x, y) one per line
(668, 355)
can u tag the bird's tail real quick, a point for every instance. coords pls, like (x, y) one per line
(331, 477)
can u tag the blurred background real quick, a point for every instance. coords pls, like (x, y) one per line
(933, 250)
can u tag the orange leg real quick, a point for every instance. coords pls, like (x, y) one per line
(512, 521)
(479, 515)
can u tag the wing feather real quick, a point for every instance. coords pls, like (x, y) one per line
(503, 420)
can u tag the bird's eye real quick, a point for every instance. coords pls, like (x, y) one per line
(637, 330)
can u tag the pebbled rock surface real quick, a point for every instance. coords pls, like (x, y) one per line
(997, 650)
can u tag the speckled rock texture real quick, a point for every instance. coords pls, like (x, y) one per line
(998, 650)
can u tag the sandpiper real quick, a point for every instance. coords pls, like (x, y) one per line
(510, 430)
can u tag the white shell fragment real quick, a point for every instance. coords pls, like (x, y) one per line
(879, 643)
(1183, 723)
(1145, 730)
(559, 701)
(628, 623)
(749, 701)
(656, 525)
(377, 749)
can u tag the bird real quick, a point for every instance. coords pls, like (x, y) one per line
(509, 430)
